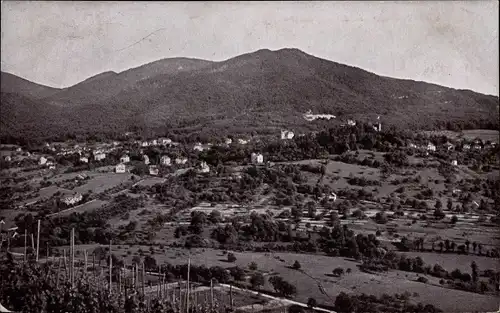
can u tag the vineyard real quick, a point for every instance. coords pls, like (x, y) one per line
(59, 287)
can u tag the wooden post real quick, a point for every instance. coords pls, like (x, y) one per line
(47, 248)
(211, 294)
(58, 272)
(32, 243)
(37, 240)
(72, 257)
(143, 278)
(231, 296)
(187, 286)
(25, 239)
(65, 265)
(110, 267)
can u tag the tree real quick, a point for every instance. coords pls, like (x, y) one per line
(454, 219)
(474, 246)
(467, 244)
(150, 262)
(380, 218)
(345, 304)
(282, 287)
(257, 280)
(438, 205)
(449, 204)
(473, 266)
(339, 271)
(296, 265)
(439, 214)
(311, 303)
(253, 266)
(215, 217)
(441, 246)
(238, 273)
(231, 257)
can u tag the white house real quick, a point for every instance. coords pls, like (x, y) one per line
(7, 158)
(71, 199)
(228, 141)
(431, 147)
(285, 134)
(448, 146)
(120, 168)
(124, 159)
(146, 159)
(333, 197)
(19, 149)
(257, 158)
(181, 160)
(351, 123)
(242, 141)
(454, 162)
(153, 170)
(198, 147)
(99, 156)
(145, 144)
(412, 145)
(165, 160)
(466, 147)
(153, 142)
(203, 167)
(42, 160)
(164, 141)
(476, 147)
(84, 160)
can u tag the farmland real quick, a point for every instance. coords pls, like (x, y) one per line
(396, 220)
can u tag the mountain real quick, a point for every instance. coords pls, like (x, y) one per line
(258, 91)
(13, 84)
(107, 84)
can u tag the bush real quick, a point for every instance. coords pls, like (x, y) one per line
(231, 257)
(422, 279)
(296, 265)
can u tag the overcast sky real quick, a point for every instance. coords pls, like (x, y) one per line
(62, 43)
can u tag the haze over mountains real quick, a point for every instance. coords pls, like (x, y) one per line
(260, 89)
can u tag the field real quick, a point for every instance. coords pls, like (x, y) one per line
(317, 271)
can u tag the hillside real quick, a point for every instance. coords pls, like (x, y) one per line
(99, 87)
(263, 89)
(13, 84)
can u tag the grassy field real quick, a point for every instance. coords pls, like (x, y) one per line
(104, 181)
(317, 270)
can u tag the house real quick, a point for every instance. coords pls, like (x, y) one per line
(448, 146)
(242, 141)
(19, 149)
(164, 141)
(198, 147)
(145, 144)
(153, 170)
(124, 159)
(71, 199)
(84, 160)
(165, 160)
(285, 134)
(476, 147)
(153, 142)
(257, 158)
(431, 147)
(99, 156)
(454, 162)
(120, 168)
(203, 167)
(351, 123)
(333, 197)
(412, 145)
(146, 159)
(7, 158)
(42, 160)
(228, 141)
(181, 160)
(466, 147)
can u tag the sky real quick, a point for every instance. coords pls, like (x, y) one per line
(59, 44)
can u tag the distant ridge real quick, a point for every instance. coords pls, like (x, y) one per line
(258, 90)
